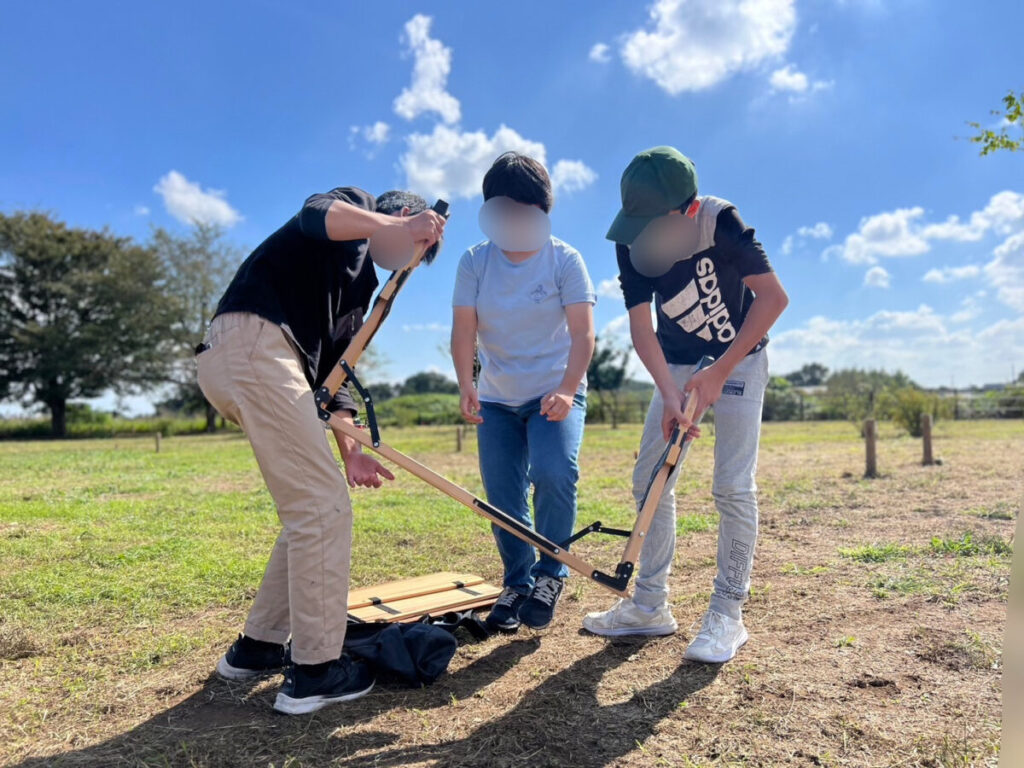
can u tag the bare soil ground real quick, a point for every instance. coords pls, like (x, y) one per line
(875, 640)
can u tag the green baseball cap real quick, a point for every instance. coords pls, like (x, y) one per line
(655, 181)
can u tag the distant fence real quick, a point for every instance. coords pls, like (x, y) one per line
(623, 407)
(795, 405)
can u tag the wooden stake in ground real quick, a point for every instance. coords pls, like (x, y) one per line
(870, 435)
(926, 439)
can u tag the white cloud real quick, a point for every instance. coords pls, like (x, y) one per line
(610, 289)
(949, 274)
(1006, 271)
(433, 64)
(876, 277)
(451, 163)
(885, 234)
(970, 308)
(691, 45)
(378, 133)
(374, 136)
(796, 84)
(430, 327)
(789, 79)
(953, 229)
(819, 231)
(600, 53)
(571, 176)
(1003, 214)
(187, 202)
(141, 210)
(904, 232)
(918, 342)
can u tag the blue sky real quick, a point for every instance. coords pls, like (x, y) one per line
(833, 126)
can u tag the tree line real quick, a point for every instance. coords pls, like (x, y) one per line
(84, 312)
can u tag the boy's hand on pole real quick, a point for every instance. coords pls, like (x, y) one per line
(556, 405)
(469, 404)
(672, 413)
(706, 385)
(365, 471)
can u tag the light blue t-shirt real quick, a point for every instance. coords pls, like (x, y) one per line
(523, 338)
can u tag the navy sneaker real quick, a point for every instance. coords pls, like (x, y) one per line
(248, 658)
(538, 610)
(504, 616)
(309, 687)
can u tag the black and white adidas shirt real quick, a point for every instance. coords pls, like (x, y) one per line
(701, 301)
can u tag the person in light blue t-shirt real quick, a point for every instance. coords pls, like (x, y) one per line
(524, 302)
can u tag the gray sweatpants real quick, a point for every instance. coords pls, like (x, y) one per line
(737, 431)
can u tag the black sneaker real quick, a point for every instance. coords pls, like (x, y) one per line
(539, 609)
(248, 658)
(504, 616)
(309, 687)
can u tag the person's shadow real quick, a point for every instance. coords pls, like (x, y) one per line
(561, 722)
(232, 724)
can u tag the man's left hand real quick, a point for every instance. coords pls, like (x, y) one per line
(366, 471)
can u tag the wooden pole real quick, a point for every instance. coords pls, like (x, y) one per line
(458, 439)
(926, 438)
(157, 435)
(464, 497)
(870, 435)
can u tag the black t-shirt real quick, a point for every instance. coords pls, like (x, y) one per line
(701, 301)
(316, 289)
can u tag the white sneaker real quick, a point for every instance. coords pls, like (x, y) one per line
(627, 618)
(718, 640)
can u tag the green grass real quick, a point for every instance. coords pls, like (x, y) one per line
(967, 546)
(1001, 510)
(121, 567)
(876, 553)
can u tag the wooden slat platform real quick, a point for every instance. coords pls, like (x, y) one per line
(409, 599)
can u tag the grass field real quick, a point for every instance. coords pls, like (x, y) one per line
(876, 615)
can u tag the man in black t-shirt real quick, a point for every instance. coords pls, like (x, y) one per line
(282, 324)
(714, 294)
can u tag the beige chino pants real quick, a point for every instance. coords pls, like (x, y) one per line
(252, 375)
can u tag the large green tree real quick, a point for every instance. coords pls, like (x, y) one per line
(810, 375)
(81, 312)
(199, 266)
(429, 381)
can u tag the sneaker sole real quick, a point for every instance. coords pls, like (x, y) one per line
(537, 626)
(227, 672)
(506, 628)
(645, 631)
(289, 706)
(716, 660)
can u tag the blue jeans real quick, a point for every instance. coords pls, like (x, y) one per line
(518, 446)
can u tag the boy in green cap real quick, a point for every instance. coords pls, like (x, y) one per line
(715, 294)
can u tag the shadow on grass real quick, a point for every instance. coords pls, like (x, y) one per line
(560, 722)
(224, 725)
